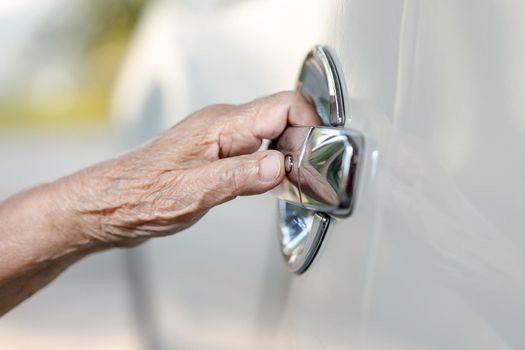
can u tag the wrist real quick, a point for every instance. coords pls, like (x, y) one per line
(91, 201)
(37, 229)
(63, 220)
(77, 206)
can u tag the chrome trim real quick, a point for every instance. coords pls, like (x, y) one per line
(320, 81)
(301, 234)
(321, 162)
(325, 175)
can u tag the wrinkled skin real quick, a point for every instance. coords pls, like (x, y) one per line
(158, 189)
(169, 183)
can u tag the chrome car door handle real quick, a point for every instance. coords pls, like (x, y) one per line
(322, 168)
(323, 162)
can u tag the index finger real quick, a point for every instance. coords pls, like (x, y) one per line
(265, 118)
(275, 112)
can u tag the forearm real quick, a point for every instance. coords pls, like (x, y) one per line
(49, 227)
(39, 238)
(21, 287)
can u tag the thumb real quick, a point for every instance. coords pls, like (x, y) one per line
(251, 174)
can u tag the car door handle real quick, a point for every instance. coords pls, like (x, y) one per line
(322, 165)
(323, 162)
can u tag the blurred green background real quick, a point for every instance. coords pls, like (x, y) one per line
(60, 60)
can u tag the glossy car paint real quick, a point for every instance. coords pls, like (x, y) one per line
(433, 256)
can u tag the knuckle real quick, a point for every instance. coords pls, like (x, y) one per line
(238, 179)
(220, 116)
(291, 97)
(250, 109)
(232, 180)
(217, 110)
(295, 95)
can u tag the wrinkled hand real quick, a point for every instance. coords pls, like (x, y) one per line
(169, 183)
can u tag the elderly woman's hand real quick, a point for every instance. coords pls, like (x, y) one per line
(158, 189)
(169, 183)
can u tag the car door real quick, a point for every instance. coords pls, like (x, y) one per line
(432, 253)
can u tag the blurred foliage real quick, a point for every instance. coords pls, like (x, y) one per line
(98, 34)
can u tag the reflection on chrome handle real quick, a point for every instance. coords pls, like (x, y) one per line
(301, 233)
(324, 169)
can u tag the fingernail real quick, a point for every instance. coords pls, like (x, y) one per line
(270, 167)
